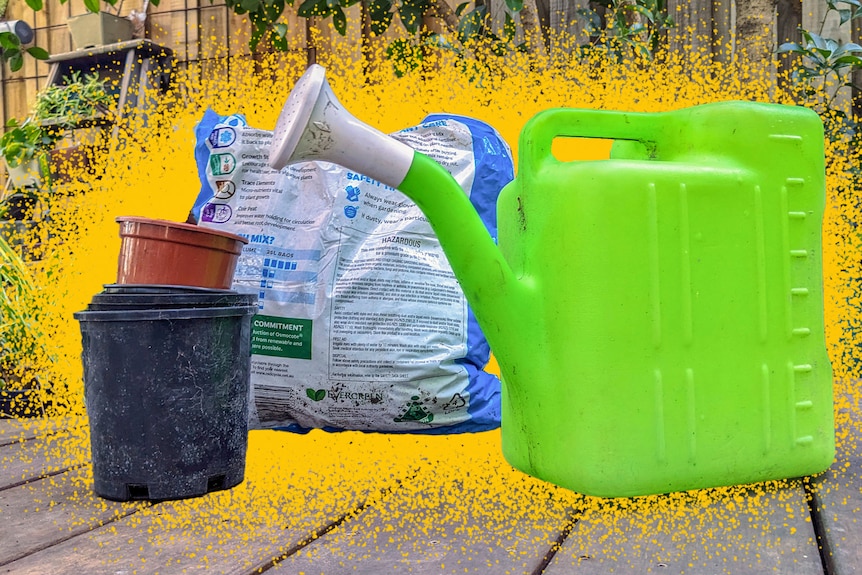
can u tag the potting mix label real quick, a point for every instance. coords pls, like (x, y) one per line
(362, 324)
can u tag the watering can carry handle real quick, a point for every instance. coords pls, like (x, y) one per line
(539, 133)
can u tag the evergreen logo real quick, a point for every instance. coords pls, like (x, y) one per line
(317, 395)
(414, 411)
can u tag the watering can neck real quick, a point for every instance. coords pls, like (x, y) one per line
(485, 276)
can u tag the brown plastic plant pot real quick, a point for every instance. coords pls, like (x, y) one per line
(169, 253)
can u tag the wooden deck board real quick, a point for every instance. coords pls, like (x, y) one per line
(760, 529)
(207, 539)
(493, 521)
(18, 430)
(838, 492)
(239, 531)
(44, 455)
(416, 507)
(51, 510)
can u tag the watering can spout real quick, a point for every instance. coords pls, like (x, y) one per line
(314, 126)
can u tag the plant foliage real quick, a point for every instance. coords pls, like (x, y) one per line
(79, 96)
(825, 67)
(473, 28)
(628, 28)
(23, 142)
(21, 335)
(12, 51)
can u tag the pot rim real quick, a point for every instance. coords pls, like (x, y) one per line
(180, 226)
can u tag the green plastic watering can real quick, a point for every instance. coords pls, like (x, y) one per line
(657, 316)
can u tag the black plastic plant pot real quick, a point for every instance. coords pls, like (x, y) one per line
(167, 395)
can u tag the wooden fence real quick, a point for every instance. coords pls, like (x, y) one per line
(196, 30)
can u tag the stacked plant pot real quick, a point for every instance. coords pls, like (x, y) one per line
(166, 354)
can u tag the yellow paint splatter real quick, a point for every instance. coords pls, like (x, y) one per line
(439, 501)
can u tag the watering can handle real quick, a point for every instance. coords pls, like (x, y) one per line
(539, 133)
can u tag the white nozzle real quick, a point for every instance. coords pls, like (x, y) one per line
(313, 125)
(19, 28)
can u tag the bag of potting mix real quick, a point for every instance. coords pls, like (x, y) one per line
(361, 323)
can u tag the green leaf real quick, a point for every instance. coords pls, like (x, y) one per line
(471, 25)
(812, 40)
(339, 20)
(592, 19)
(791, 47)
(804, 72)
(845, 15)
(499, 49)
(38, 53)
(12, 149)
(317, 395)
(281, 30)
(256, 37)
(92, 5)
(274, 9)
(380, 6)
(311, 8)
(380, 13)
(850, 60)
(411, 17)
(34, 4)
(9, 41)
(16, 61)
(259, 21)
(509, 28)
(644, 52)
(646, 13)
(381, 24)
(820, 54)
(279, 42)
(515, 5)
(250, 5)
(817, 40)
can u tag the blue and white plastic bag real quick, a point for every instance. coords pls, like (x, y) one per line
(362, 324)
